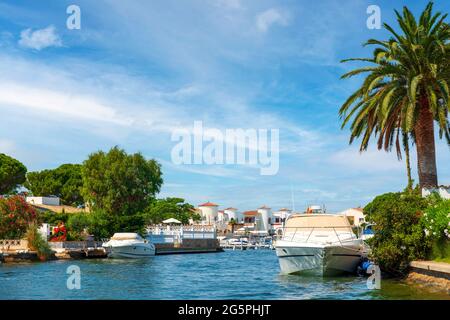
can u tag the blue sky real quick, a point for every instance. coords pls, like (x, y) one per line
(137, 70)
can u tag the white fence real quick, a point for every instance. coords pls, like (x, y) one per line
(13, 245)
(170, 234)
(74, 245)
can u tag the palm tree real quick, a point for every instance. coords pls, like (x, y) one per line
(405, 140)
(405, 90)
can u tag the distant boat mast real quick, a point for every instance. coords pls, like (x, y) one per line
(292, 198)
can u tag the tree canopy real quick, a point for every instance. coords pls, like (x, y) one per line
(406, 89)
(12, 174)
(162, 209)
(120, 183)
(64, 182)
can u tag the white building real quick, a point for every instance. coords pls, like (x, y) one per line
(222, 216)
(279, 217)
(209, 212)
(266, 218)
(234, 214)
(49, 201)
(355, 216)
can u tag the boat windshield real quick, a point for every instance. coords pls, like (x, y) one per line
(126, 236)
(318, 221)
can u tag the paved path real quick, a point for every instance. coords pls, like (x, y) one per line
(432, 266)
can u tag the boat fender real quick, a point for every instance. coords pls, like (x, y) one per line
(365, 265)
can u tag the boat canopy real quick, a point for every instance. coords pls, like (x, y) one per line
(317, 221)
(126, 236)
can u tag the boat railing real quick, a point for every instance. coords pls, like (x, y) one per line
(295, 234)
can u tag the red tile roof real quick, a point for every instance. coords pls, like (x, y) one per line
(230, 208)
(250, 213)
(208, 204)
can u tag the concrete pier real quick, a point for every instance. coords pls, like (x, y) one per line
(189, 246)
(430, 274)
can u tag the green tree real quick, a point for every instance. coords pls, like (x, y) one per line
(121, 185)
(64, 182)
(162, 209)
(405, 90)
(12, 174)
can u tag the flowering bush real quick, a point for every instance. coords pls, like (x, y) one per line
(399, 237)
(436, 224)
(436, 219)
(15, 216)
(59, 233)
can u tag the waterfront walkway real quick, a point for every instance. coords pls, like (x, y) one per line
(431, 274)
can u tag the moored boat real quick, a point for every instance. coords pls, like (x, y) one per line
(129, 245)
(319, 243)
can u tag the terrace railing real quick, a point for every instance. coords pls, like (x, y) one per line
(172, 234)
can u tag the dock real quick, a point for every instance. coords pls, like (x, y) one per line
(430, 274)
(246, 246)
(78, 250)
(188, 246)
(183, 239)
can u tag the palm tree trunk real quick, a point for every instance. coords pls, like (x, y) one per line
(426, 150)
(408, 161)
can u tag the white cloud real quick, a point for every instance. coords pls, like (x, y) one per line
(50, 102)
(231, 4)
(7, 146)
(40, 39)
(372, 160)
(270, 17)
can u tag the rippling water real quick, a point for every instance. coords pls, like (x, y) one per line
(252, 274)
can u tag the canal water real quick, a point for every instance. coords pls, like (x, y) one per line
(252, 274)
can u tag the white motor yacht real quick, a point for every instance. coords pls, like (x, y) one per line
(129, 245)
(319, 243)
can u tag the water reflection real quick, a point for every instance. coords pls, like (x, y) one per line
(227, 275)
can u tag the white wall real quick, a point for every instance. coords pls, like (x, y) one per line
(232, 213)
(265, 214)
(50, 201)
(356, 214)
(209, 214)
(444, 192)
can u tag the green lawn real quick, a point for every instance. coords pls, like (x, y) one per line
(441, 252)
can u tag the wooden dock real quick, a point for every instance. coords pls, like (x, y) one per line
(189, 246)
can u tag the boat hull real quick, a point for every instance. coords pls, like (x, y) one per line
(318, 260)
(132, 251)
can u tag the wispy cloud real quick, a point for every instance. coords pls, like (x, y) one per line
(270, 17)
(40, 39)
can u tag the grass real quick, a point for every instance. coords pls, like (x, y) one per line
(446, 260)
(441, 252)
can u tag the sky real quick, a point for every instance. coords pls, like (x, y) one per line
(136, 71)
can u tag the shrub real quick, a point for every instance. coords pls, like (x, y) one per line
(100, 224)
(53, 218)
(436, 218)
(436, 222)
(399, 234)
(15, 216)
(37, 243)
(77, 224)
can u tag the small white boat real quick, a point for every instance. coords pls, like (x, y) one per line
(129, 245)
(319, 243)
